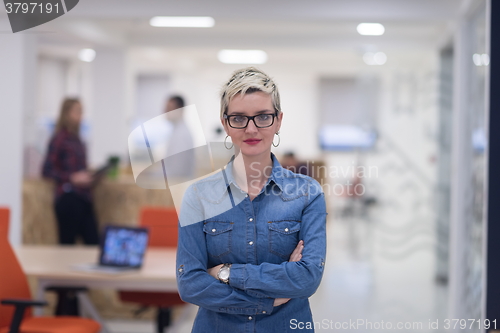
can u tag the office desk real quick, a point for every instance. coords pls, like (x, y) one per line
(52, 265)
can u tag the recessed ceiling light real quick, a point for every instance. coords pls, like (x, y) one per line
(182, 21)
(87, 55)
(378, 58)
(485, 59)
(481, 59)
(477, 59)
(242, 56)
(371, 29)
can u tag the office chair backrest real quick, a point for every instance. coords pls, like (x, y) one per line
(162, 225)
(13, 282)
(4, 222)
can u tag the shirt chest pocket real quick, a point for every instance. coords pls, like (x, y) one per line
(283, 237)
(218, 235)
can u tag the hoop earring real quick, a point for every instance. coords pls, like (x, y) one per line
(226, 145)
(279, 140)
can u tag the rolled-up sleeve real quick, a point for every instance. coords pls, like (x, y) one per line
(194, 283)
(291, 279)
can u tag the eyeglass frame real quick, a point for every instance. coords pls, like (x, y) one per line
(252, 118)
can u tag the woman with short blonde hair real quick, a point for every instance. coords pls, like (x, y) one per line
(252, 238)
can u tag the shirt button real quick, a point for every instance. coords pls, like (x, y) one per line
(180, 269)
(250, 219)
(251, 243)
(286, 229)
(263, 311)
(214, 230)
(250, 318)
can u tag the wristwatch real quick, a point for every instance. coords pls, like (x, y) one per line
(223, 274)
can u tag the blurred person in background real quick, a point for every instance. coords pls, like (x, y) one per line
(180, 142)
(66, 164)
(290, 162)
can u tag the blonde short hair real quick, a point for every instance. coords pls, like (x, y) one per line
(249, 80)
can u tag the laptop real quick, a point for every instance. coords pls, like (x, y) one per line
(122, 249)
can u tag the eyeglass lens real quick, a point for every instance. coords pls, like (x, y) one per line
(261, 120)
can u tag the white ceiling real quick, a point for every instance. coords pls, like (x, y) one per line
(328, 25)
(400, 10)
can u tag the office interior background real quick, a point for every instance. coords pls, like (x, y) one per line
(409, 106)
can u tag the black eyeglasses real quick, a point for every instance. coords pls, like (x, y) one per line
(261, 120)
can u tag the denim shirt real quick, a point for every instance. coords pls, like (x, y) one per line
(218, 223)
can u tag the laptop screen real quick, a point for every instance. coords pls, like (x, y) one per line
(123, 246)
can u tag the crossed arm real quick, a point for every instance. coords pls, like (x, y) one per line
(249, 290)
(294, 257)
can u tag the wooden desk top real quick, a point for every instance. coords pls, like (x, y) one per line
(53, 264)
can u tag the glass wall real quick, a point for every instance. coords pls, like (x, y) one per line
(469, 167)
(476, 131)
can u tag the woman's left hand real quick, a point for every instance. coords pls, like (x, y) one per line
(297, 253)
(214, 270)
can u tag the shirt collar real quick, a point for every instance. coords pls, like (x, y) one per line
(276, 173)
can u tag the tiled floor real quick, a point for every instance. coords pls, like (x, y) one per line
(364, 282)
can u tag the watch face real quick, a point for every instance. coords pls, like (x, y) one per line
(224, 274)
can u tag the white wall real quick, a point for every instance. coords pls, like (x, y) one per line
(110, 107)
(151, 95)
(17, 91)
(198, 75)
(52, 85)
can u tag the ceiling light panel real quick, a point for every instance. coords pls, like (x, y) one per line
(86, 55)
(182, 21)
(370, 29)
(242, 56)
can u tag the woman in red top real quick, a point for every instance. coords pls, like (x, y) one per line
(66, 164)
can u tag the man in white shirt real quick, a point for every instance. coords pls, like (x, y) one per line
(181, 160)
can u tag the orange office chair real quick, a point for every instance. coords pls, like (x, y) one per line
(162, 225)
(15, 311)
